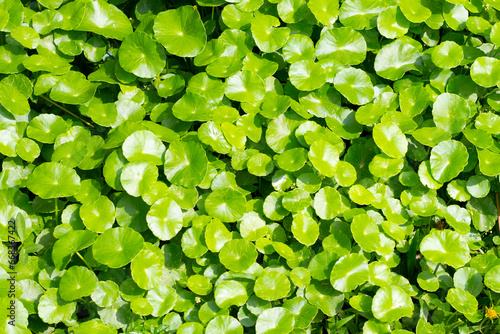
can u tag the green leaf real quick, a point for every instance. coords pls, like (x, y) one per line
(260, 165)
(327, 203)
(275, 320)
(117, 246)
(105, 19)
(266, 33)
(462, 300)
(324, 297)
(415, 11)
(12, 57)
(365, 232)
(229, 293)
(216, 235)
(384, 166)
(396, 58)
(355, 85)
(428, 281)
(307, 75)
(447, 55)
(325, 11)
(146, 267)
(185, 163)
(491, 279)
(448, 159)
(485, 71)
(199, 284)
(180, 31)
(77, 282)
(483, 213)
(106, 293)
(392, 23)
(297, 48)
(292, 160)
(280, 133)
(165, 218)
(226, 204)
(141, 55)
(489, 162)
(73, 88)
(360, 14)
(69, 244)
(52, 309)
(390, 303)
(469, 280)
(224, 324)
(238, 255)
(445, 247)
(12, 100)
(245, 86)
(99, 215)
(162, 299)
(324, 156)
(349, 272)
(478, 186)
(271, 285)
(414, 100)
(52, 180)
(450, 112)
(344, 45)
(143, 145)
(138, 177)
(390, 140)
(305, 229)
(26, 36)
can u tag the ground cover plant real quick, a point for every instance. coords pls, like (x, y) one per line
(249, 166)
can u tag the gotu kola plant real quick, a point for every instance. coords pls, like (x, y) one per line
(250, 166)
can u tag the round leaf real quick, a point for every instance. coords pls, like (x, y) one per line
(349, 272)
(390, 140)
(245, 86)
(448, 159)
(344, 45)
(276, 320)
(52, 309)
(185, 163)
(271, 285)
(391, 303)
(445, 247)
(52, 180)
(77, 282)
(180, 31)
(165, 218)
(117, 246)
(141, 55)
(227, 204)
(237, 255)
(224, 324)
(355, 85)
(450, 112)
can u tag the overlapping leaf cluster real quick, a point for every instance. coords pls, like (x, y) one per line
(257, 166)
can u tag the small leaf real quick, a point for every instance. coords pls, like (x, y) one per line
(390, 303)
(448, 159)
(180, 31)
(141, 55)
(445, 247)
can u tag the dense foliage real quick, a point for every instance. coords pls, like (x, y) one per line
(257, 166)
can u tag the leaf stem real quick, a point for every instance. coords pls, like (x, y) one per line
(436, 268)
(498, 211)
(84, 261)
(66, 110)
(56, 213)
